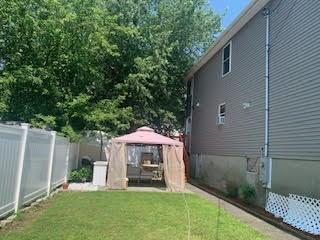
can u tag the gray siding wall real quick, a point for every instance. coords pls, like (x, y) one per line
(242, 133)
(295, 81)
(294, 88)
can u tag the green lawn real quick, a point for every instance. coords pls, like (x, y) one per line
(127, 215)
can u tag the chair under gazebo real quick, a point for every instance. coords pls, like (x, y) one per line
(172, 159)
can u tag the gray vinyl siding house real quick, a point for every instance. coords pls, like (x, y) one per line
(221, 153)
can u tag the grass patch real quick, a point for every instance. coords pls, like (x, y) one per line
(128, 215)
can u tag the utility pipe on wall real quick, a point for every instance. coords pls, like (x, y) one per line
(267, 76)
(267, 81)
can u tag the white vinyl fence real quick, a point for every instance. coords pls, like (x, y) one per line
(32, 163)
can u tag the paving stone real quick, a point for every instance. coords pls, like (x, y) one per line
(12, 217)
(3, 223)
(25, 209)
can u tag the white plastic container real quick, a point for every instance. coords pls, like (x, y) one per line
(100, 173)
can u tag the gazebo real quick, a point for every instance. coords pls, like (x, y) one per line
(172, 156)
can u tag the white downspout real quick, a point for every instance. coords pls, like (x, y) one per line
(267, 76)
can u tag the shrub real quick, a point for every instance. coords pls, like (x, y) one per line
(82, 175)
(247, 193)
(232, 189)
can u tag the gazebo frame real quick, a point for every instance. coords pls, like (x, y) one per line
(172, 152)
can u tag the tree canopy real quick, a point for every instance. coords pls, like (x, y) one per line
(108, 65)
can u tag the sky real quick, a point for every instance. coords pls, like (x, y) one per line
(231, 9)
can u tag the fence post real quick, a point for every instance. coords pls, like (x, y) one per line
(67, 163)
(51, 155)
(22, 151)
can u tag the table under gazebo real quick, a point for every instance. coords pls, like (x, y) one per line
(172, 157)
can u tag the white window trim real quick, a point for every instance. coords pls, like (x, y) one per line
(219, 114)
(219, 107)
(230, 58)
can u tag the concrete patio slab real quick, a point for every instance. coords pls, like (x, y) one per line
(151, 189)
(84, 187)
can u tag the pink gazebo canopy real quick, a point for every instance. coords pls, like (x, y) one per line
(146, 135)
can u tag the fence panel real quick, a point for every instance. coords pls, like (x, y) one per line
(36, 165)
(10, 139)
(59, 169)
(31, 165)
(73, 157)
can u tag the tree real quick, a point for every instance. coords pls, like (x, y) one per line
(169, 36)
(104, 65)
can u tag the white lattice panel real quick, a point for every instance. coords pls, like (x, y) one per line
(277, 205)
(304, 214)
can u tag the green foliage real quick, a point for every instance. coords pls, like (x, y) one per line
(73, 135)
(74, 65)
(247, 193)
(40, 121)
(20, 216)
(232, 189)
(82, 175)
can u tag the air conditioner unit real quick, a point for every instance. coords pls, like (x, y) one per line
(220, 120)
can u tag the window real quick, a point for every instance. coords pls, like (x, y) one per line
(252, 165)
(221, 114)
(226, 59)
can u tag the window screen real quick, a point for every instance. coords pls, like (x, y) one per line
(222, 110)
(226, 59)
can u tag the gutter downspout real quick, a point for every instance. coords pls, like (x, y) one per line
(266, 13)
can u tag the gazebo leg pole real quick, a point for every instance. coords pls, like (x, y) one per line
(139, 175)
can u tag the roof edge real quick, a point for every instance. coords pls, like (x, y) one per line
(243, 18)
